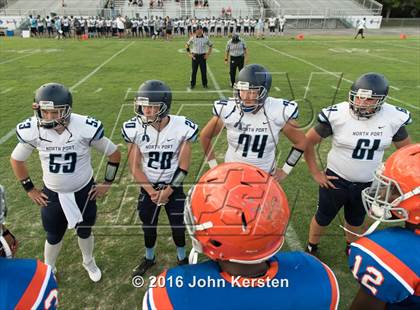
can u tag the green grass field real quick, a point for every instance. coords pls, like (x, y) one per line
(103, 75)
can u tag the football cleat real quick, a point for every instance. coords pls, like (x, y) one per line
(183, 261)
(312, 249)
(142, 268)
(93, 270)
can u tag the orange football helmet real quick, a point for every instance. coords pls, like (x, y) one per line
(396, 188)
(237, 212)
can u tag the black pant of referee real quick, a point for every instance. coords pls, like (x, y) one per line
(199, 60)
(235, 62)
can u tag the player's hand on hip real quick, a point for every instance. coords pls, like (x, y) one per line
(324, 180)
(279, 175)
(99, 190)
(39, 197)
(206, 56)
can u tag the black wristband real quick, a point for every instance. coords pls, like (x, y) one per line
(27, 184)
(111, 171)
(178, 178)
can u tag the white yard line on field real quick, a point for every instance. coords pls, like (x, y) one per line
(84, 79)
(100, 66)
(327, 71)
(16, 58)
(6, 90)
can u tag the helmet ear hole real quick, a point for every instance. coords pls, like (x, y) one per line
(215, 243)
(244, 223)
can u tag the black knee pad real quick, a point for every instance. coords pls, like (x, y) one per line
(323, 219)
(84, 232)
(54, 238)
(355, 220)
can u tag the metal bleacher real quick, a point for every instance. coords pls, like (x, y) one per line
(45, 7)
(323, 8)
(240, 8)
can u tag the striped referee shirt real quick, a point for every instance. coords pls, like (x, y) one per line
(235, 49)
(199, 45)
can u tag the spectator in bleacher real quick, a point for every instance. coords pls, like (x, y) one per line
(361, 27)
(223, 13)
(229, 11)
(282, 23)
(235, 54)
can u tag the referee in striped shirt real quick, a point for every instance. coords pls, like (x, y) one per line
(199, 48)
(236, 50)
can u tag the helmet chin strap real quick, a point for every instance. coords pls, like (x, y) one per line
(193, 257)
(370, 230)
(6, 248)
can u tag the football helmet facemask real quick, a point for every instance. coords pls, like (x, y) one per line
(52, 105)
(252, 78)
(394, 195)
(8, 242)
(367, 95)
(152, 93)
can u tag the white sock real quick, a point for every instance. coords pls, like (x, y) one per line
(51, 252)
(86, 246)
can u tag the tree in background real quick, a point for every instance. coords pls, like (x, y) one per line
(400, 8)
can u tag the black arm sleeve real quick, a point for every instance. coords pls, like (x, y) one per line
(400, 135)
(323, 129)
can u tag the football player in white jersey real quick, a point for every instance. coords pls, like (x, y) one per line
(159, 155)
(253, 121)
(361, 130)
(68, 198)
